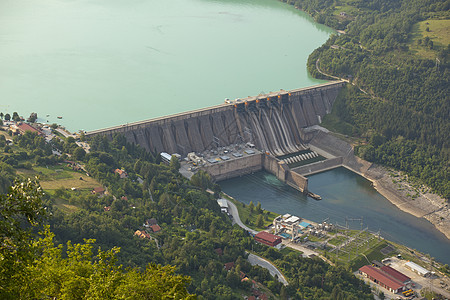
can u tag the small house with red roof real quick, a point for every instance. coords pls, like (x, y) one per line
(122, 173)
(155, 228)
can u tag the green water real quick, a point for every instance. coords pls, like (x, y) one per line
(102, 63)
(344, 195)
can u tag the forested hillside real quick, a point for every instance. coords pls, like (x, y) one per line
(78, 255)
(399, 98)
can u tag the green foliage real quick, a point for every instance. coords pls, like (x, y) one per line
(405, 100)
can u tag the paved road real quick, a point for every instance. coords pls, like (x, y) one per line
(232, 209)
(256, 260)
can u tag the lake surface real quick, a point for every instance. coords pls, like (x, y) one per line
(344, 194)
(103, 63)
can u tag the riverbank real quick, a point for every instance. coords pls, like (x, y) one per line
(393, 185)
(420, 204)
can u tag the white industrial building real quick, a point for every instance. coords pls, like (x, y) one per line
(417, 269)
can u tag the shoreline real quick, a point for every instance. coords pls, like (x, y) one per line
(426, 205)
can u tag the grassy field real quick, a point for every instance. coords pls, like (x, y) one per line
(439, 34)
(55, 177)
(245, 214)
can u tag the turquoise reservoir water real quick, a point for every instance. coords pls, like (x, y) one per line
(344, 194)
(102, 63)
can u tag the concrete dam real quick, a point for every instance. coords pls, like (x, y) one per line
(271, 122)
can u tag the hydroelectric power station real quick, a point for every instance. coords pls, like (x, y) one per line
(277, 125)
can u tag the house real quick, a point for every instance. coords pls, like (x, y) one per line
(142, 234)
(23, 127)
(155, 228)
(151, 222)
(124, 198)
(229, 265)
(219, 251)
(107, 208)
(100, 191)
(122, 173)
(267, 238)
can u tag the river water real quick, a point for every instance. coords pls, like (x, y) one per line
(344, 194)
(102, 63)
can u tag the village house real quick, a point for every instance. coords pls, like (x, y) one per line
(23, 127)
(142, 234)
(122, 173)
(100, 191)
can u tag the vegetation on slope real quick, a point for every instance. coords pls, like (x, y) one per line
(195, 238)
(400, 74)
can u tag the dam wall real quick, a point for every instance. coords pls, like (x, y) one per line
(271, 122)
(249, 164)
(236, 167)
(319, 166)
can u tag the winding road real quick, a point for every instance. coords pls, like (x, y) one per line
(252, 258)
(256, 260)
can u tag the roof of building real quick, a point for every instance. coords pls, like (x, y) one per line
(304, 224)
(152, 221)
(219, 251)
(166, 155)
(229, 266)
(25, 127)
(222, 203)
(417, 268)
(98, 190)
(381, 277)
(155, 228)
(286, 216)
(120, 171)
(292, 219)
(396, 274)
(267, 236)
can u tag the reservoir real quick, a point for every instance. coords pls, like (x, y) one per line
(344, 194)
(103, 63)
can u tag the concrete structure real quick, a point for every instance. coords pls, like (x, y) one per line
(382, 279)
(417, 269)
(267, 238)
(271, 122)
(223, 203)
(289, 225)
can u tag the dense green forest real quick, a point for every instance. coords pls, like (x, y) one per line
(398, 101)
(86, 231)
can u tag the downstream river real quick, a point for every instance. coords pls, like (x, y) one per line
(103, 63)
(344, 194)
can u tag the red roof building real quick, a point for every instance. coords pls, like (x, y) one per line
(228, 266)
(267, 238)
(382, 279)
(25, 127)
(396, 274)
(155, 228)
(121, 173)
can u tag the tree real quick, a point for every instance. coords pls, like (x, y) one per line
(251, 206)
(7, 117)
(258, 207)
(79, 153)
(175, 163)
(16, 116)
(259, 221)
(1, 115)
